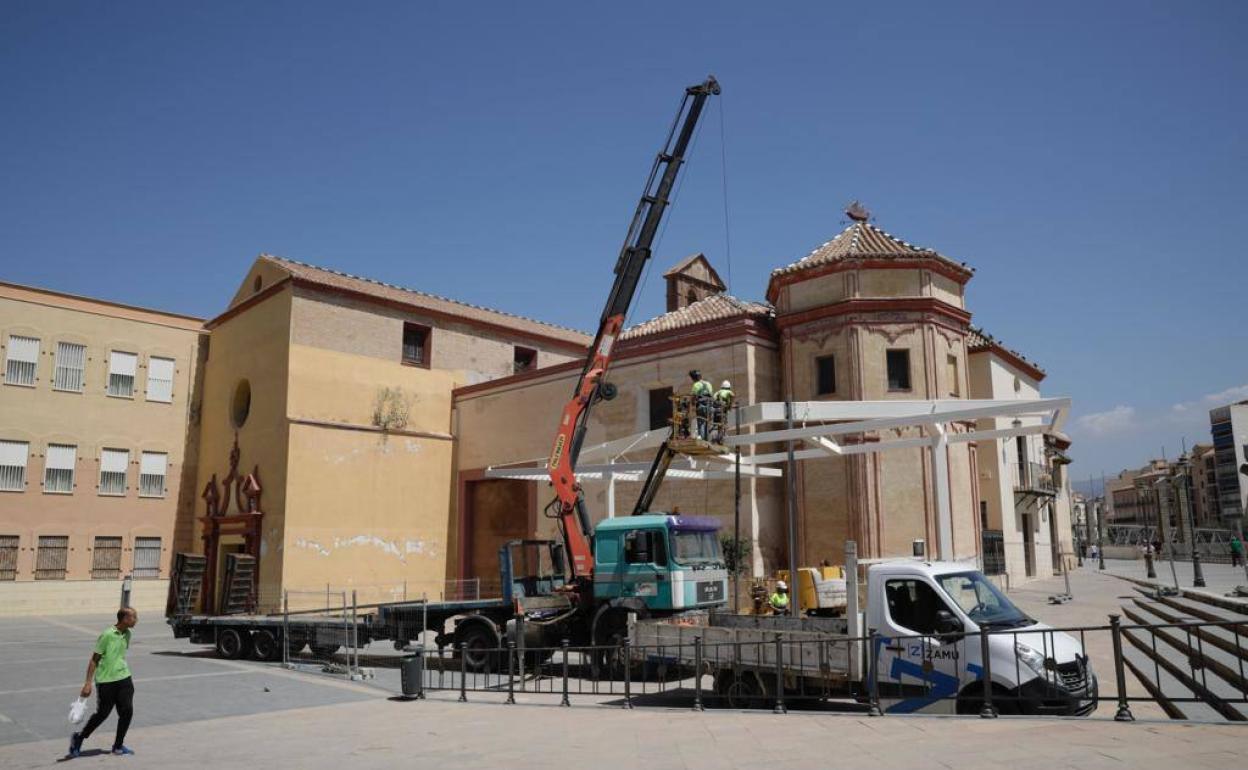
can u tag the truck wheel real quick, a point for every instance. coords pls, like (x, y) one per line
(324, 650)
(479, 645)
(265, 646)
(233, 643)
(739, 692)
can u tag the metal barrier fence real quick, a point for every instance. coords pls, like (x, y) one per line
(320, 632)
(1167, 668)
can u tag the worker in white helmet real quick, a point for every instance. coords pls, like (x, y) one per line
(779, 600)
(723, 399)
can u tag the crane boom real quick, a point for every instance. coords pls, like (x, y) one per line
(591, 387)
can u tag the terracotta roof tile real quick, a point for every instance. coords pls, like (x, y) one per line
(978, 339)
(863, 240)
(713, 308)
(420, 300)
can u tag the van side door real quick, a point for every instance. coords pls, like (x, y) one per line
(920, 649)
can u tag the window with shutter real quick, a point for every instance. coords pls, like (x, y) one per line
(13, 456)
(121, 369)
(160, 379)
(21, 360)
(146, 557)
(152, 474)
(71, 363)
(51, 557)
(106, 558)
(58, 468)
(113, 464)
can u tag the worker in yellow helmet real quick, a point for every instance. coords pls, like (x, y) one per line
(700, 393)
(779, 599)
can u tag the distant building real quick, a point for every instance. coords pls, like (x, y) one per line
(1205, 505)
(1229, 425)
(96, 455)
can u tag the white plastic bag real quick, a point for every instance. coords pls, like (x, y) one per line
(77, 710)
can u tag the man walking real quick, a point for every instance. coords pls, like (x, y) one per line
(1237, 551)
(109, 671)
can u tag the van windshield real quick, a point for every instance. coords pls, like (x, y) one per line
(695, 547)
(982, 601)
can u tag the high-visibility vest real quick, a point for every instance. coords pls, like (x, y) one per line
(701, 388)
(779, 600)
(724, 395)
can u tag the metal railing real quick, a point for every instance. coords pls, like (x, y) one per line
(1033, 477)
(1176, 668)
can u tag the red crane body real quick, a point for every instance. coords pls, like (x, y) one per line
(569, 503)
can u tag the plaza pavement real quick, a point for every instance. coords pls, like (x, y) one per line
(195, 710)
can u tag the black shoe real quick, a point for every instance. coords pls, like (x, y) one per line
(75, 745)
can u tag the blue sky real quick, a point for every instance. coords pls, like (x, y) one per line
(1087, 158)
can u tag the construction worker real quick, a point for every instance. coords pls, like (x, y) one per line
(700, 392)
(723, 398)
(779, 599)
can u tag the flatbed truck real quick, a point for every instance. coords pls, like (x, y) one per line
(925, 619)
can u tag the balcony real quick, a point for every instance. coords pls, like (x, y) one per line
(1033, 479)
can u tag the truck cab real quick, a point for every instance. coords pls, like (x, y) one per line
(928, 615)
(663, 561)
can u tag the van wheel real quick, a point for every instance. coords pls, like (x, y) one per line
(739, 692)
(233, 643)
(264, 646)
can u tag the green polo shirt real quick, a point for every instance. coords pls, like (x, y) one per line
(112, 646)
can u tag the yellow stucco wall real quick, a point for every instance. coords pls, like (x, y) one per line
(253, 345)
(366, 509)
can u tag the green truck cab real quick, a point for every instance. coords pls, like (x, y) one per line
(668, 563)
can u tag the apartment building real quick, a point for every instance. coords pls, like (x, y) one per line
(95, 451)
(1229, 425)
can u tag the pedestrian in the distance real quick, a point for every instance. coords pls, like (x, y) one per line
(109, 672)
(1237, 551)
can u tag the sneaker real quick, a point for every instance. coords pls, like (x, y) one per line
(75, 745)
(123, 751)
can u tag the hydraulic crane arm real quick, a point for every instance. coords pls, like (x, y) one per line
(591, 387)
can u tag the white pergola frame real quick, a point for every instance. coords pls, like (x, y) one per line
(820, 424)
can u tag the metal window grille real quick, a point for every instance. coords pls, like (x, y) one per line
(152, 474)
(51, 557)
(71, 362)
(106, 559)
(121, 369)
(160, 379)
(146, 557)
(13, 456)
(8, 557)
(994, 551)
(113, 464)
(58, 468)
(21, 360)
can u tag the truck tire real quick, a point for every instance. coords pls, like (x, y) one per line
(265, 646)
(479, 643)
(233, 643)
(324, 650)
(744, 691)
(295, 643)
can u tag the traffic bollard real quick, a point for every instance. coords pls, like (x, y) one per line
(1198, 574)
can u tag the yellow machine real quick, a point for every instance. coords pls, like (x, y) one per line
(820, 590)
